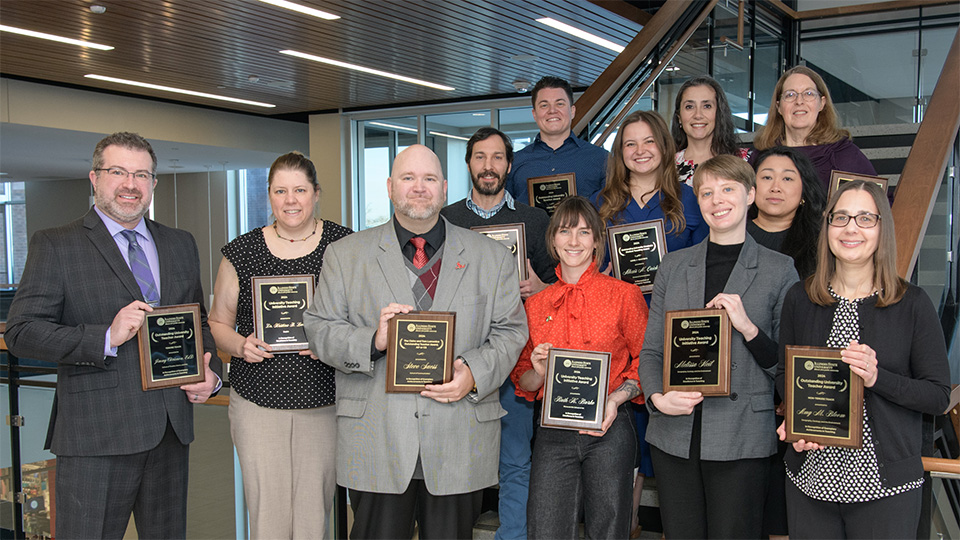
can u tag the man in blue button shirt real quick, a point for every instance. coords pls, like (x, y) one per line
(556, 150)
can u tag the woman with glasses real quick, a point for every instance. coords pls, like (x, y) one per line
(802, 116)
(712, 454)
(702, 126)
(891, 338)
(282, 417)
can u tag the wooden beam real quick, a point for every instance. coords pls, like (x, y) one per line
(787, 10)
(923, 171)
(605, 86)
(624, 9)
(861, 9)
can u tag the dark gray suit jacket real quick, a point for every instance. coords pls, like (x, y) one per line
(742, 425)
(380, 435)
(74, 283)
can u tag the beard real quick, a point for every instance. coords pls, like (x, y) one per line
(418, 212)
(122, 213)
(482, 189)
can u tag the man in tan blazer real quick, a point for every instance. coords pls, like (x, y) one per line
(417, 457)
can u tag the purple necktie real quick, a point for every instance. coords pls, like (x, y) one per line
(141, 268)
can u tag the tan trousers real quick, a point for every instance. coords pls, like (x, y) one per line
(288, 460)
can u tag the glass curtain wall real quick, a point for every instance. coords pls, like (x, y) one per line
(881, 68)
(445, 129)
(447, 135)
(378, 142)
(747, 71)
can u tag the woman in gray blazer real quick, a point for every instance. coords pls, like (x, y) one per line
(711, 453)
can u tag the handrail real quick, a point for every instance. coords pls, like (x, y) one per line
(664, 62)
(598, 94)
(948, 468)
(923, 171)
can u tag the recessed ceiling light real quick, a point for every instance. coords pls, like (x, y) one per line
(393, 126)
(51, 37)
(438, 134)
(366, 70)
(479, 114)
(179, 91)
(582, 34)
(302, 9)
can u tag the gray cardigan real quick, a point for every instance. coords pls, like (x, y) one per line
(740, 425)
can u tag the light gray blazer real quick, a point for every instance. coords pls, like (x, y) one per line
(741, 425)
(380, 435)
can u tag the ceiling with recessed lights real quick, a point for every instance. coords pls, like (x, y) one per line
(232, 49)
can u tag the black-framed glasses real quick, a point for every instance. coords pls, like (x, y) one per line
(120, 172)
(864, 220)
(807, 95)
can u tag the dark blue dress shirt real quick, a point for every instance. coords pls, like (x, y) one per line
(587, 161)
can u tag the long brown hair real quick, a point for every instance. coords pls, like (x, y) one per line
(616, 194)
(885, 278)
(826, 131)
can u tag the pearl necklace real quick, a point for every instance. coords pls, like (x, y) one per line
(316, 224)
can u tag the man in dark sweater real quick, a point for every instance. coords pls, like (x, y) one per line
(489, 155)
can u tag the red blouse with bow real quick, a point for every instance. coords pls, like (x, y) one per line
(598, 313)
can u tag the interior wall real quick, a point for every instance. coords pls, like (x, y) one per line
(196, 202)
(329, 151)
(55, 203)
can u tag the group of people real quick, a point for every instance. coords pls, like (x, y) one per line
(761, 242)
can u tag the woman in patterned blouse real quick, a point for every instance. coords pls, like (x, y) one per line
(282, 418)
(702, 126)
(891, 337)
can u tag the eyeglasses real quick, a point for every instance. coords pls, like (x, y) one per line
(864, 220)
(807, 95)
(120, 172)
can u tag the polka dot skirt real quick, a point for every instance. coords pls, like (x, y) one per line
(288, 380)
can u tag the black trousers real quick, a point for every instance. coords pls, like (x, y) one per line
(890, 517)
(392, 515)
(710, 499)
(96, 494)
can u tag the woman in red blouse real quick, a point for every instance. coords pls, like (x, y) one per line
(583, 471)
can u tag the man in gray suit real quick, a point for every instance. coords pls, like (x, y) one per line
(417, 457)
(86, 289)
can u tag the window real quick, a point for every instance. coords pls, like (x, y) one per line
(13, 222)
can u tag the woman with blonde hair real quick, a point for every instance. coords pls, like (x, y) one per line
(712, 453)
(802, 115)
(892, 339)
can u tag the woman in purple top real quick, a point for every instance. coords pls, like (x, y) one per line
(802, 116)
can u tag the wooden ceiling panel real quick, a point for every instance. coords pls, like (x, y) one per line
(213, 46)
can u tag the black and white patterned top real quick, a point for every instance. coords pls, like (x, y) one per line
(846, 475)
(288, 380)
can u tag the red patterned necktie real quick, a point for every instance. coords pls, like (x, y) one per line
(420, 257)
